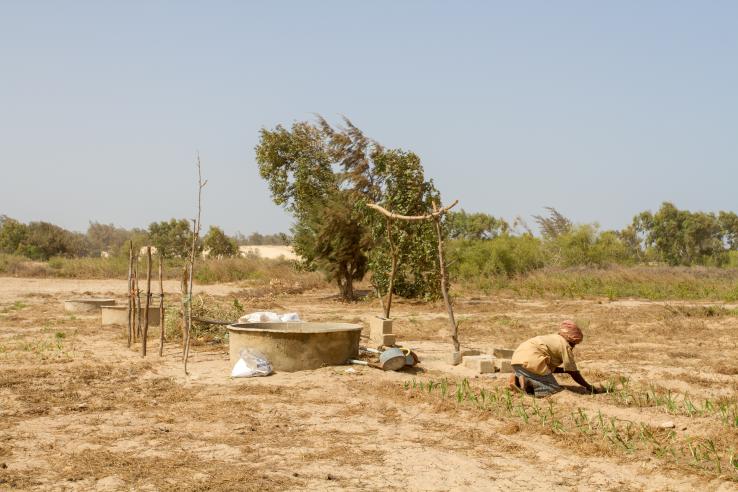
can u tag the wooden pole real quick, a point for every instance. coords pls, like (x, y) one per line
(130, 297)
(195, 235)
(436, 217)
(138, 302)
(147, 303)
(161, 306)
(393, 269)
(444, 281)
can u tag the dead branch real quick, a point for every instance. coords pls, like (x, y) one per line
(392, 215)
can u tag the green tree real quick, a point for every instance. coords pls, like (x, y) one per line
(172, 239)
(220, 245)
(12, 234)
(400, 186)
(324, 176)
(463, 225)
(298, 165)
(44, 240)
(107, 237)
(681, 237)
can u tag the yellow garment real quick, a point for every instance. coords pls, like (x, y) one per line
(541, 355)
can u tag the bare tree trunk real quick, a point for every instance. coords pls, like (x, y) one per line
(161, 306)
(147, 304)
(195, 235)
(393, 269)
(130, 295)
(436, 217)
(444, 281)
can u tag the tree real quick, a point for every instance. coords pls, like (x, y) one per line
(681, 237)
(324, 176)
(463, 225)
(220, 245)
(172, 239)
(400, 186)
(554, 224)
(107, 237)
(44, 240)
(12, 234)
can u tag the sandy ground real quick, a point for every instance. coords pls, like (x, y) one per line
(81, 411)
(270, 251)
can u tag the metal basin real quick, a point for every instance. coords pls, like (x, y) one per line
(297, 346)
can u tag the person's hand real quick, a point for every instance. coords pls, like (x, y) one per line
(596, 390)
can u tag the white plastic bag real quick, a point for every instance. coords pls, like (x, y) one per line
(260, 317)
(251, 363)
(289, 317)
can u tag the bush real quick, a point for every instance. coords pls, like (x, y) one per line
(505, 256)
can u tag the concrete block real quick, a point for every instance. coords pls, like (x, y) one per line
(503, 353)
(481, 364)
(454, 358)
(503, 365)
(387, 340)
(378, 329)
(468, 352)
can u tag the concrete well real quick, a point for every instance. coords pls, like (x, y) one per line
(118, 315)
(87, 304)
(296, 346)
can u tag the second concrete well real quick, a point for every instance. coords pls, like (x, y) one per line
(296, 346)
(118, 315)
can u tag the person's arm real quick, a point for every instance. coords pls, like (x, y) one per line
(578, 378)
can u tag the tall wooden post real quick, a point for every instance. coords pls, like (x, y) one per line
(161, 306)
(444, 279)
(436, 217)
(130, 295)
(147, 304)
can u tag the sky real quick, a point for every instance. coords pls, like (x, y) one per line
(600, 109)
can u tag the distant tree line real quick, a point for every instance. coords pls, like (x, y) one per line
(485, 245)
(172, 238)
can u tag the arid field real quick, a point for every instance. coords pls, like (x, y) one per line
(81, 411)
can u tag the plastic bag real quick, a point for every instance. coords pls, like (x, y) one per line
(251, 363)
(289, 317)
(260, 317)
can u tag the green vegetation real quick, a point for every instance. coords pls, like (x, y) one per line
(324, 176)
(714, 455)
(219, 245)
(210, 270)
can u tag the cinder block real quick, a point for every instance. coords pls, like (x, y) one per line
(454, 358)
(388, 340)
(481, 364)
(503, 365)
(503, 353)
(379, 328)
(468, 352)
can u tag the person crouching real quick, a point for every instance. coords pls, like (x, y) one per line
(536, 360)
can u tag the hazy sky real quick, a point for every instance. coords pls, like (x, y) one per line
(601, 109)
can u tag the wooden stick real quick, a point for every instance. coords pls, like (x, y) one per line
(138, 301)
(392, 215)
(393, 269)
(195, 235)
(148, 302)
(444, 281)
(130, 297)
(161, 306)
(435, 216)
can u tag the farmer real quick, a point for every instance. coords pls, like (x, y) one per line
(535, 361)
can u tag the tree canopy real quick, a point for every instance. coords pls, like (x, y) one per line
(324, 176)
